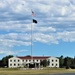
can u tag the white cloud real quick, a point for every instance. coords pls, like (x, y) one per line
(46, 29)
(67, 36)
(7, 51)
(45, 38)
(12, 43)
(16, 36)
(2, 5)
(16, 19)
(12, 26)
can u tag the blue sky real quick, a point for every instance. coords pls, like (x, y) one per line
(53, 35)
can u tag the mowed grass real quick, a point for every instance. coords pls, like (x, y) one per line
(35, 71)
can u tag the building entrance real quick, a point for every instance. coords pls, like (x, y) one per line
(31, 65)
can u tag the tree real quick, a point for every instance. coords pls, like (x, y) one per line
(73, 63)
(67, 62)
(61, 61)
(1, 63)
(74, 60)
(44, 63)
(5, 60)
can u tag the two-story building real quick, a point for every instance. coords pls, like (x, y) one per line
(32, 61)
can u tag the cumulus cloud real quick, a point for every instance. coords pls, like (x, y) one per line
(8, 51)
(56, 20)
(45, 38)
(11, 42)
(67, 36)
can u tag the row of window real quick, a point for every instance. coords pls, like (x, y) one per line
(15, 60)
(23, 60)
(14, 64)
(30, 60)
(19, 64)
(54, 64)
(54, 60)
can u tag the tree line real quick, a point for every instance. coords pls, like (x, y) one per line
(4, 61)
(67, 62)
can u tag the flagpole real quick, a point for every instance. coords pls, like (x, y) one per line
(33, 21)
(31, 36)
(31, 39)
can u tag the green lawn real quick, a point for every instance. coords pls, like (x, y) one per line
(34, 71)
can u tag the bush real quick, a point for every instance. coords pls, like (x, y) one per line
(67, 67)
(72, 67)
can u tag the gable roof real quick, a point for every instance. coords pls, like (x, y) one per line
(34, 57)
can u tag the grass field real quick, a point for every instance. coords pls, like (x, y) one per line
(34, 71)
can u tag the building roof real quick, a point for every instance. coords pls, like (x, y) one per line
(34, 57)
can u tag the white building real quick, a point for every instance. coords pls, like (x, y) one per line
(28, 61)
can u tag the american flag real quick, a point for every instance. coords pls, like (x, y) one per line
(33, 14)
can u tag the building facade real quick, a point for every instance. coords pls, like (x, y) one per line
(30, 62)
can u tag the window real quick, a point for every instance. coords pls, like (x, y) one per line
(56, 64)
(10, 60)
(29, 60)
(14, 60)
(56, 60)
(37, 60)
(26, 60)
(18, 60)
(52, 60)
(14, 64)
(33, 60)
(10, 64)
(52, 64)
(18, 64)
(23, 60)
